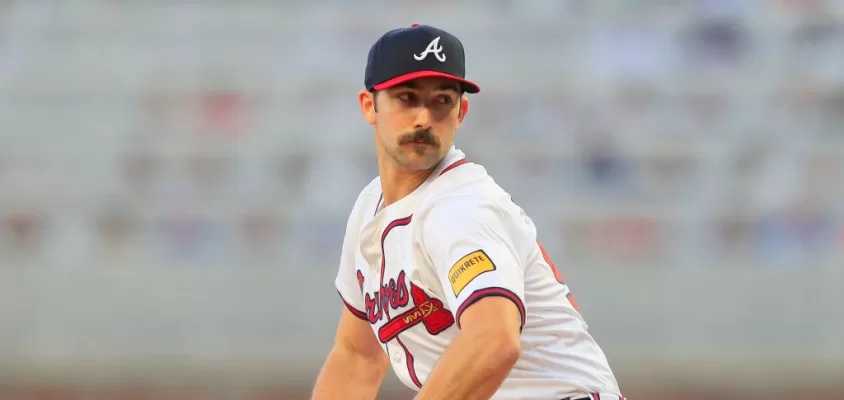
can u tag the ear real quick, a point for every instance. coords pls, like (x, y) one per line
(464, 109)
(367, 105)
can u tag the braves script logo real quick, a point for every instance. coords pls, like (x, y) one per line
(433, 48)
(392, 294)
(429, 311)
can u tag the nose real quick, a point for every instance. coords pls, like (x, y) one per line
(424, 118)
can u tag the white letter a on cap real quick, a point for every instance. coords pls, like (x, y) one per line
(433, 47)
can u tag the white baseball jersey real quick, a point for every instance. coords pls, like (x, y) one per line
(411, 268)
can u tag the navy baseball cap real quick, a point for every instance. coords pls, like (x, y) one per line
(419, 51)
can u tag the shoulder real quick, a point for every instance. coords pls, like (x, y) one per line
(465, 212)
(467, 188)
(471, 212)
(467, 199)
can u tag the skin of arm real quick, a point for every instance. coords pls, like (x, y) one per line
(356, 365)
(481, 356)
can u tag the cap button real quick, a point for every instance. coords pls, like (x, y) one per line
(414, 25)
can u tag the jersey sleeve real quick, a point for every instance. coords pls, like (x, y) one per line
(474, 248)
(347, 282)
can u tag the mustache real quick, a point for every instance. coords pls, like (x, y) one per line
(420, 135)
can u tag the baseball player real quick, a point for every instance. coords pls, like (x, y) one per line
(441, 273)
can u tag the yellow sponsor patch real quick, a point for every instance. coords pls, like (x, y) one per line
(467, 269)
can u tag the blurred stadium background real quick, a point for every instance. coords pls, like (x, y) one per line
(175, 178)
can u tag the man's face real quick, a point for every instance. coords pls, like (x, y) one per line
(415, 122)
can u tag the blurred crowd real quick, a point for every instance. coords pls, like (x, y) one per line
(636, 133)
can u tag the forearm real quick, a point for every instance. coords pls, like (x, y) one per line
(346, 375)
(472, 367)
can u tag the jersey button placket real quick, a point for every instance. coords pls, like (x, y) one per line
(397, 358)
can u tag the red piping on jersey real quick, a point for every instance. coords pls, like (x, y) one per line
(454, 165)
(399, 222)
(402, 222)
(491, 291)
(410, 368)
(596, 396)
(377, 206)
(409, 357)
(355, 311)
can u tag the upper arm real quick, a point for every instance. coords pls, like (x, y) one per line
(474, 247)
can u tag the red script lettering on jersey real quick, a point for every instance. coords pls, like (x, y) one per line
(392, 294)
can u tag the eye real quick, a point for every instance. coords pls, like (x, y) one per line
(406, 96)
(444, 99)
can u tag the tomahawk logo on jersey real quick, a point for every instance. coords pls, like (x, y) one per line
(412, 268)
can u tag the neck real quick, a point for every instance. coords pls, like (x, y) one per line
(398, 182)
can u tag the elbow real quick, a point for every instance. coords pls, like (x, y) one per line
(507, 350)
(512, 352)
